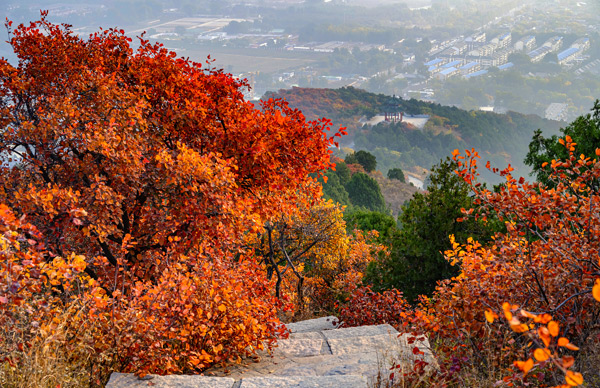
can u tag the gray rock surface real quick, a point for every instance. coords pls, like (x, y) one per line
(317, 324)
(300, 347)
(359, 344)
(316, 355)
(127, 380)
(347, 381)
(361, 331)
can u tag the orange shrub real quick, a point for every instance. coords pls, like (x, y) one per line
(546, 263)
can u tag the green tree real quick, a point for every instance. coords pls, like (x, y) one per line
(364, 158)
(366, 221)
(343, 173)
(365, 192)
(416, 263)
(396, 173)
(367, 160)
(351, 158)
(585, 131)
(333, 189)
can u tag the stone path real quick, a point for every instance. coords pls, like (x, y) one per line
(316, 355)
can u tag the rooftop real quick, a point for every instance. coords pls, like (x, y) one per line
(434, 62)
(469, 65)
(567, 53)
(539, 51)
(506, 66)
(476, 74)
(449, 70)
(452, 64)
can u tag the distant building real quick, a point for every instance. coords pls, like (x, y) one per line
(408, 57)
(525, 44)
(568, 55)
(555, 43)
(455, 63)
(470, 67)
(496, 59)
(437, 62)
(435, 65)
(486, 50)
(539, 53)
(457, 49)
(447, 73)
(506, 66)
(502, 41)
(582, 44)
(472, 40)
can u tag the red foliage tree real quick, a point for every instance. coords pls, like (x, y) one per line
(154, 169)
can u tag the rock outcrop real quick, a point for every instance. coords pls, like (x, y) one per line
(317, 354)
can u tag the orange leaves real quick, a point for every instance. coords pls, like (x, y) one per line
(547, 351)
(542, 354)
(218, 312)
(524, 366)
(564, 342)
(596, 290)
(490, 315)
(573, 379)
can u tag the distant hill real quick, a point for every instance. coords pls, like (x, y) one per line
(500, 138)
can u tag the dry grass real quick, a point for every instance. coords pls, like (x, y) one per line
(588, 360)
(394, 192)
(57, 357)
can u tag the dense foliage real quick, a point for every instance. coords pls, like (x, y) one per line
(541, 275)
(367, 221)
(146, 179)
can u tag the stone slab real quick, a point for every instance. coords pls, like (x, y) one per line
(327, 365)
(128, 380)
(307, 335)
(317, 324)
(348, 381)
(373, 343)
(299, 347)
(361, 331)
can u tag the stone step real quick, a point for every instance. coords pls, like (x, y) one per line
(183, 381)
(317, 324)
(347, 381)
(128, 380)
(317, 354)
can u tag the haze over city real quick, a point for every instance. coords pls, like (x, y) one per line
(469, 54)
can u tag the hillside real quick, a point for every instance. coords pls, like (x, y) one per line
(500, 138)
(396, 193)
